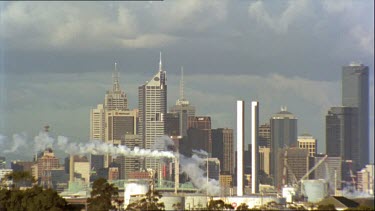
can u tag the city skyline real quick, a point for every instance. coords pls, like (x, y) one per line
(59, 88)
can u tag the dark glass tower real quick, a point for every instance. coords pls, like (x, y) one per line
(355, 93)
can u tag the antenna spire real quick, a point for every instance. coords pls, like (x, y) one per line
(160, 63)
(182, 84)
(115, 76)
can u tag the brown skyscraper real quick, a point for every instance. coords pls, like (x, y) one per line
(222, 148)
(199, 133)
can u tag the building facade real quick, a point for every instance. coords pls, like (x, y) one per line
(307, 141)
(355, 93)
(265, 135)
(200, 134)
(152, 99)
(222, 148)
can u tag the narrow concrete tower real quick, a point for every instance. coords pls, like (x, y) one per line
(254, 147)
(240, 145)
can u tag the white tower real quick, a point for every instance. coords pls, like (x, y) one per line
(254, 147)
(240, 145)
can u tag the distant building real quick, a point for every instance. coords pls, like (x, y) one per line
(199, 133)
(183, 109)
(331, 171)
(172, 124)
(365, 180)
(113, 173)
(265, 135)
(355, 93)
(213, 168)
(81, 168)
(307, 141)
(21, 165)
(283, 134)
(222, 148)
(226, 180)
(97, 123)
(120, 123)
(152, 104)
(342, 134)
(297, 165)
(44, 164)
(264, 159)
(2, 163)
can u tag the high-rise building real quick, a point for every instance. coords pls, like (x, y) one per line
(355, 93)
(265, 135)
(283, 134)
(342, 133)
(81, 168)
(44, 164)
(183, 109)
(307, 141)
(264, 159)
(199, 133)
(119, 123)
(365, 180)
(115, 98)
(129, 164)
(294, 162)
(172, 124)
(97, 123)
(222, 148)
(152, 106)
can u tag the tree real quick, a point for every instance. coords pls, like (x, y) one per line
(218, 205)
(242, 206)
(101, 195)
(20, 178)
(34, 198)
(148, 202)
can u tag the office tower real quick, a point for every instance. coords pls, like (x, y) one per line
(264, 159)
(365, 180)
(292, 164)
(283, 134)
(183, 108)
(96, 162)
(21, 165)
(265, 135)
(330, 170)
(342, 133)
(129, 164)
(172, 124)
(115, 98)
(44, 164)
(97, 123)
(222, 148)
(119, 123)
(199, 133)
(355, 93)
(307, 141)
(80, 168)
(2, 163)
(152, 109)
(213, 168)
(240, 146)
(254, 147)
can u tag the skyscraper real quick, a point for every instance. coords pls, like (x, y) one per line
(355, 93)
(222, 148)
(183, 108)
(307, 141)
(152, 106)
(342, 133)
(97, 123)
(115, 98)
(283, 134)
(265, 135)
(199, 133)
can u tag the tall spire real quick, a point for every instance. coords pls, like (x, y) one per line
(115, 76)
(160, 63)
(182, 84)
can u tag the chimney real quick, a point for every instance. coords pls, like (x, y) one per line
(240, 144)
(71, 168)
(254, 147)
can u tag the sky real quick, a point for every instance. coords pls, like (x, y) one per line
(57, 59)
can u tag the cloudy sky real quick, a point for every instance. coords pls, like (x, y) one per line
(56, 59)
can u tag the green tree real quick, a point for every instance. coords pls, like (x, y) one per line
(242, 206)
(34, 198)
(149, 202)
(218, 205)
(20, 178)
(101, 195)
(361, 207)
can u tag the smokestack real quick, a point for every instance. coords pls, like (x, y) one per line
(71, 168)
(240, 144)
(254, 147)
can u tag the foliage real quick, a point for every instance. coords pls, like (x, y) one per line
(20, 178)
(243, 206)
(149, 202)
(34, 198)
(327, 207)
(218, 205)
(177, 206)
(361, 207)
(101, 195)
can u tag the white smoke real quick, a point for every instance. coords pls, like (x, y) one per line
(2, 140)
(18, 141)
(162, 143)
(351, 193)
(42, 141)
(191, 166)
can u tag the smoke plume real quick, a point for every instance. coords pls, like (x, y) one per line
(18, 140)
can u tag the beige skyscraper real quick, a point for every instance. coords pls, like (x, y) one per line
(115, 98)
(97, 123)
(152, 105)
(307, 141)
